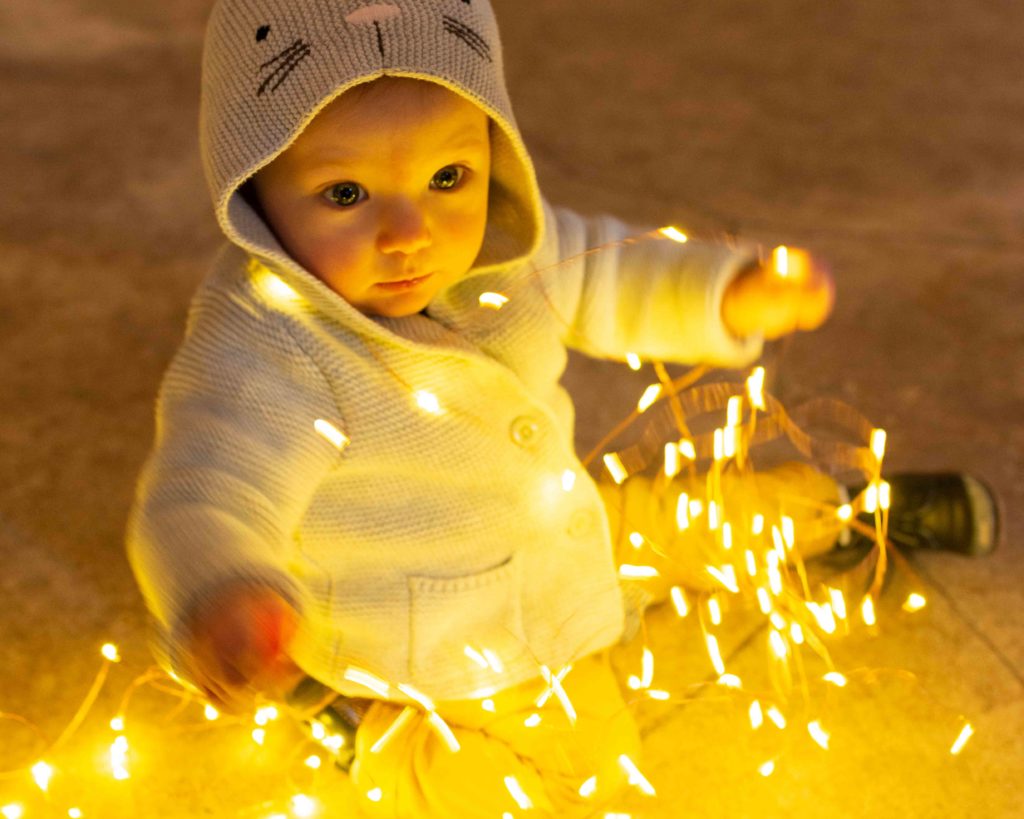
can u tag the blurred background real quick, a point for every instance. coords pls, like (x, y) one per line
(887, 137)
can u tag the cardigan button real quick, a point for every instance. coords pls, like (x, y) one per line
(581, 523)
(524, 431)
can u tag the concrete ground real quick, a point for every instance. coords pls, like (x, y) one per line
(885, 136)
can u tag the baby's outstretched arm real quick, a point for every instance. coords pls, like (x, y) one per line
(236, 646)
(761, 300)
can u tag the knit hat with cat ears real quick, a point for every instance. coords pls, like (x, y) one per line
(270, 66)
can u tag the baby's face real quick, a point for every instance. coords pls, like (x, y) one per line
(384, 194)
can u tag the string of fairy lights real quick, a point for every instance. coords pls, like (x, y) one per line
(752, 563)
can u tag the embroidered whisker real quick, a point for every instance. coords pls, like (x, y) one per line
(468, 36)
(298, 44)
(284, 69)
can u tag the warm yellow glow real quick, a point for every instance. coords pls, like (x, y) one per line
(333, 743)
(679, 601)
(730, 681)
(259, 735)
(375, 794)
(683, 512)
(655, 694)
(756, 715)
(117, 724)
(637, 572)
(364, 678)
(915, 602)
(518, 793)
(835, 678)
(764, 602)
(428, 402)
(636, 540)
(331, 433)
(775, 715)
(119, 758)
(867, 611)
(649, 397)
(780, 260)
(729, 442)
(884, 495)
(532, 721)
(767, 769)
(733, 411)
(774, 576)
(714, 611)
(494, 661)
(443, 731)
(778, 644)
(277, 290)
(688, 450)
(696, 508)
(588, 788)
(824, 616)
(12, 811)
(672, 463)
(393, 729)
(633, 360)
(476, 656)
(961, 740)
(712, 515)
(788, 531)
(796, 634)
(493, 300)
(719, 450)
(675, 234)
(714, 654)
(568, 480)
(878, 443)
(779, 543)
(726, 535)
(302, 805)
(615, 467)
(318, 731)
(845, 513)
(755, 388)
(74, 813)
(748, 556)
(266, 714)
(871, 499)
(313, 762)
(635, 777)
(210, 712)
(42, 773)
(757, 525)
(109, 651)
(488, 705)
(818, 734)
(838, 603)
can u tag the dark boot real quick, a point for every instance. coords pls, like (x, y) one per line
(947, 511)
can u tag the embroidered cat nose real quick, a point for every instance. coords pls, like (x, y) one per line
(366, 15)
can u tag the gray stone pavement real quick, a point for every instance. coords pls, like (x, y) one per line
(886, 136)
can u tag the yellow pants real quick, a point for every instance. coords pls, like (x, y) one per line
(506, 762)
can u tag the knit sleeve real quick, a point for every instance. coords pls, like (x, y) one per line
(641, 293)
(235, 462)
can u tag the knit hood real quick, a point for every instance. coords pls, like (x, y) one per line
(269, 66)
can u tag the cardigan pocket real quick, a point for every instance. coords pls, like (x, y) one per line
(463, 631)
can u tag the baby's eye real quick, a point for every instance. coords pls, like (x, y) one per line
(447, 178)
(345, 194)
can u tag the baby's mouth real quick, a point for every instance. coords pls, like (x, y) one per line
(403, 284)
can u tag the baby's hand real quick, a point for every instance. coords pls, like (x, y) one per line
(764, 300)
(237, 647)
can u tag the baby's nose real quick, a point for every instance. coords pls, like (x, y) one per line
(367, 15)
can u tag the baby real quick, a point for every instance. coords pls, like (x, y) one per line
(362, 469)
